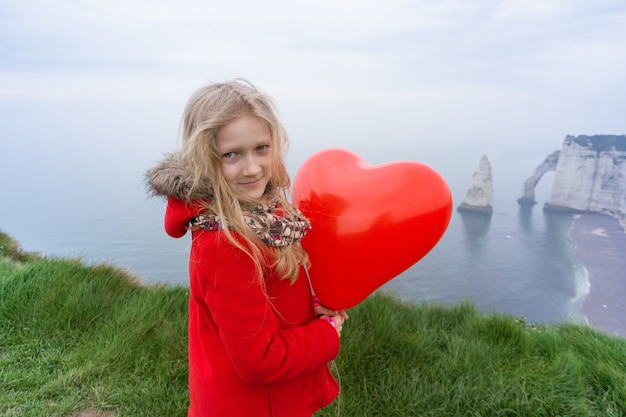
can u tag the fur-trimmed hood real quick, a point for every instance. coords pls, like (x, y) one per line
(173, 177)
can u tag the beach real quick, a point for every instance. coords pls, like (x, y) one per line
(600, 246)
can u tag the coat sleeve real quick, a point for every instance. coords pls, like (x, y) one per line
(248, 327)
(177, 214)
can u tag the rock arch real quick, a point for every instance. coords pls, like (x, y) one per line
(528, 189)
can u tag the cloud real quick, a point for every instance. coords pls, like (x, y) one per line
(526, 65)
(223, 36)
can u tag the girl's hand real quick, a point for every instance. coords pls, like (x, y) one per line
(336, 321)
(334, 317)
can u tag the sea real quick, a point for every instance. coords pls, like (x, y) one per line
(518, 261)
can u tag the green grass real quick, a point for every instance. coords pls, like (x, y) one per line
(399, 359)
(75, 337)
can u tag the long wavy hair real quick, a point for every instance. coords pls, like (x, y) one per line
(209, 109)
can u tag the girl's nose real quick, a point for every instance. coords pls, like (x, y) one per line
(251, 166)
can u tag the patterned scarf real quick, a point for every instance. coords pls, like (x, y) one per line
(268, 221)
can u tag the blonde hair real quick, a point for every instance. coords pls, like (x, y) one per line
(209, 109)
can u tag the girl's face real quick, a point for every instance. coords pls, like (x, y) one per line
(244, 146)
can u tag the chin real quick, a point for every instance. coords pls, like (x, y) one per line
(251, 197)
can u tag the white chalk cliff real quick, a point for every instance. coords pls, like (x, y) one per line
(479, 196)
(590, 177)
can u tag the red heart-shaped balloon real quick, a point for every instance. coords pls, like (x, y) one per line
(370, 222)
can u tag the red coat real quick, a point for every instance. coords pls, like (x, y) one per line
(253, 351)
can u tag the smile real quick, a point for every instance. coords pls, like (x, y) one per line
(251, 183)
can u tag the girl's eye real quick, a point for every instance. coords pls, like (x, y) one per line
(262, 148)
(229, 155)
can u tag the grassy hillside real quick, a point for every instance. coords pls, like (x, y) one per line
(80, 340)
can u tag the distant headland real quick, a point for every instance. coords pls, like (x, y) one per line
(590, 177)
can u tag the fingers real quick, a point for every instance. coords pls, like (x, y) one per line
(320, 310)
(339, 319)
(336, 321)
(335, 317)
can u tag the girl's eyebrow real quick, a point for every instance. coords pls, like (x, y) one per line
(238, 148)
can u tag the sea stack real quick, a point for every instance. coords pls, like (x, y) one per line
(479, 197)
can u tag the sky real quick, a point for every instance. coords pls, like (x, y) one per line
(89, 85)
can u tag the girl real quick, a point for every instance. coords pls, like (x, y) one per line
(258, 343)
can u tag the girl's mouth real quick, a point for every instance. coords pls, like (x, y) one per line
(252, 183)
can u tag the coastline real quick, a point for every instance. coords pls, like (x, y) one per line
(599, 244)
